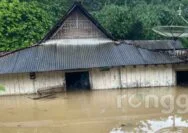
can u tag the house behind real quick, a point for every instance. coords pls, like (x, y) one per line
(78, 53)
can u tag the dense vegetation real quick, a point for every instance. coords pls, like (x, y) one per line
(24, 22)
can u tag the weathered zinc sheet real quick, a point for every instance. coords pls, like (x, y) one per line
(55, 57)
(3, 53)
(156, 44)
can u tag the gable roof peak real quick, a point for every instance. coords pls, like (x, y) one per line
(76, 5)
(77, 2)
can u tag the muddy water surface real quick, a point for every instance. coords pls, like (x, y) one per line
(111, 111)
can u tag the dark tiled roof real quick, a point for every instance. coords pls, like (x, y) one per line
(156, 44)
(53, 57)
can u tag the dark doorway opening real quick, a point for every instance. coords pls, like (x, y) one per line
(182, 78)
(77, 81)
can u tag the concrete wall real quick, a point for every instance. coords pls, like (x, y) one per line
(125, 77)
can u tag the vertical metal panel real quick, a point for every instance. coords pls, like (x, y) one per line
(22, 84)
(150, 76)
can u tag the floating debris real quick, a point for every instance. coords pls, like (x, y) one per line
(117, 130)
(37, 97)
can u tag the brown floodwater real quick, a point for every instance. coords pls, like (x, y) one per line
(108, 111)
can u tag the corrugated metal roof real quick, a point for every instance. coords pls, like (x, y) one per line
(69, 57)
(2, 53)
(156, 44)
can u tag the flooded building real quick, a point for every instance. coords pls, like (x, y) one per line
(78, 53)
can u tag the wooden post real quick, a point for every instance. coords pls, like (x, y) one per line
(120, 81)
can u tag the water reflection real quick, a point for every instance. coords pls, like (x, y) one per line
(91, 112)
(168, 124)
(172, 124)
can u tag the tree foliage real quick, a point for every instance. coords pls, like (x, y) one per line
(137, 21)
(21, 24)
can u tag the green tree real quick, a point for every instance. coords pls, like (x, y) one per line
(21, 24)
(55, 8)
(129, 23)
(116, 19)
(135, 20)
